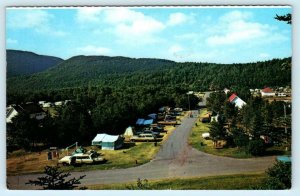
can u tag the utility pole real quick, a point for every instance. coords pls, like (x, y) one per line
(190, 92)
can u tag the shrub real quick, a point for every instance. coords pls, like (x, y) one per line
(256, 147)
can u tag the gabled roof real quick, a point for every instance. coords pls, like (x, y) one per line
(232, 97)
(103, 137)
(267, 90)
(30, 108)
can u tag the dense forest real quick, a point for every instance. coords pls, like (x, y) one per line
(110, 93)
(24, 63)
(84, 71)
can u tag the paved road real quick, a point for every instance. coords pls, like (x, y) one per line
(203, 102)
(175, 159)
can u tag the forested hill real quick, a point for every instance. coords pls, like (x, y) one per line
(83, 71)
(22, 62)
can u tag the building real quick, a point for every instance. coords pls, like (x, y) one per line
(267, 92)
(33, 110)
(108, 142)
(226, 90)
(234, 99)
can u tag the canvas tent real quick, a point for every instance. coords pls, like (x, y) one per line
(141, 122)
(153, 116)
(108, 142)
(129, 132)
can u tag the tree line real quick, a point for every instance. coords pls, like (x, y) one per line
(246, 126)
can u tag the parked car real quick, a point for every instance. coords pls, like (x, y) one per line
(143, 138)
(81, 159)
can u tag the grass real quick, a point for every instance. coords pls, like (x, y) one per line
(131, 155)
(224, 182)
(205, 145)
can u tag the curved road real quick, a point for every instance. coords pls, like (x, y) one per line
(175, 159)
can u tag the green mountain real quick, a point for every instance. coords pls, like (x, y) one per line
(84, 71)
(22, 62)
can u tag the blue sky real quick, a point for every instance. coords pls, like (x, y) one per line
(200, 34)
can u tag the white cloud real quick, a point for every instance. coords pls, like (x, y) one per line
(28, 18)
(11, 41)
(264, 55)
(177, 18)
(126, 24)
(233, 28)
(89, 14)
(93, 50)
(35, 19)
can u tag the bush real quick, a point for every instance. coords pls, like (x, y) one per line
(256, 147)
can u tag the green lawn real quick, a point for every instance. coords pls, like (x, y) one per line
(131, 155)
(196, 140)
(225, 182)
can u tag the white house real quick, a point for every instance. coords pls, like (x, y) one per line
(10, 113)
(234, 99)
(33, 110)
(267, 92)
(226, 90)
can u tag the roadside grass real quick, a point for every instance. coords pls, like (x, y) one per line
(206, 145)
(130, 155)
(224, 182)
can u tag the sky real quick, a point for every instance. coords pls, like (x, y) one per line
(182, 34)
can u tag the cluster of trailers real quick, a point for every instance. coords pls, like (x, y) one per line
(152, 127)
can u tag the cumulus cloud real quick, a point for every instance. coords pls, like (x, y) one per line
(36, 19)
(93, 50)
(28, 18)
(236, 29)
(89, 14)
(177, 18)
(127, 24)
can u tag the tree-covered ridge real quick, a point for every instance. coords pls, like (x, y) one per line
(82, 71)
(23, 62)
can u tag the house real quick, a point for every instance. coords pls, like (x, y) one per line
(10, 113)
(267, 92)
(234, 99)
(47, 105)
(108, 142)
(59, 103)
(226, 90)
(33, 110)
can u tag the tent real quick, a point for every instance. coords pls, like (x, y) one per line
(153, 116)
(129, 132)
(148, 122)
(108, 142)
(140, 121)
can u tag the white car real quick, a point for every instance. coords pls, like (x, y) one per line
(81, 159)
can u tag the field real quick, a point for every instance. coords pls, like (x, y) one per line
(226, 182)
(206, 145)
(131, 154)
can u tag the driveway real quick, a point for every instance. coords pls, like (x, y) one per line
(175, 159)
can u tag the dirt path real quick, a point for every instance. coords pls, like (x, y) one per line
(175, 159)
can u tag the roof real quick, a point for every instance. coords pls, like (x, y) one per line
(285, 159)
(140, 121)
(148, 122)
(267, 90)
(30, 108)
(153, 115)
(232, 97)
(103, 137)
